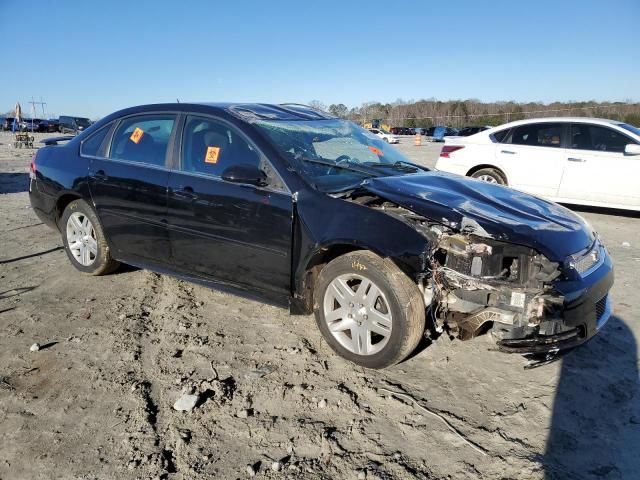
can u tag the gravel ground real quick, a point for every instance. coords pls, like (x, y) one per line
(116, 352)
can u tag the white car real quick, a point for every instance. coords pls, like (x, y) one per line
(387, 137)
(585, 161)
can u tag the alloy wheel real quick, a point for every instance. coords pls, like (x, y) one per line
(357, 314)
(487, 178)
(81, 239)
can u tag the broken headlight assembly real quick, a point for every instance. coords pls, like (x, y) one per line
(481, 283)
(587, 260)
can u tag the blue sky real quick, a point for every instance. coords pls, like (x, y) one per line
(94, 57)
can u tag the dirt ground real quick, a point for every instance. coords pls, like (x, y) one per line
(96, 401)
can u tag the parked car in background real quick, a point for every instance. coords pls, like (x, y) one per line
(7, 124)
(48, 126)
(428, 132)
(401, 131)
(292, 205)
(386, 136)
(67, 124)
(468, 131)
(586, 161)
(441, 131)
(30, 124)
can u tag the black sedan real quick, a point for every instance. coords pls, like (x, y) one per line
(299, 208)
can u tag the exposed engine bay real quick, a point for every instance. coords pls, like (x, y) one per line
(473, 283)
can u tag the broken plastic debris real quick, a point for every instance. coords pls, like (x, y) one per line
(259, 372)
(186, 403)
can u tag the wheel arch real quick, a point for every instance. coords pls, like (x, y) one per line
(62, 202)
(475, 168)
(302, 300)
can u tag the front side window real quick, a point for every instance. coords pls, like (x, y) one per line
(594, 137)
(92, 146)
(538, 135)
(211, 146)
(143, 139)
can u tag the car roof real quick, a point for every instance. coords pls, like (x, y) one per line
(599, 121)
(245, 111)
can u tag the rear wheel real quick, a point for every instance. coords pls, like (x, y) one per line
(368, 310)
(490, 175)
(84, 240)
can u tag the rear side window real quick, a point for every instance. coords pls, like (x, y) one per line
(92, 146)
(211, 146)
(538, 135)
(593, 137)
(143, 139)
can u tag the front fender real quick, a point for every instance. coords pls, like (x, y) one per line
(324, 226)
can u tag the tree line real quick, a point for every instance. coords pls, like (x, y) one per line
(459, 113)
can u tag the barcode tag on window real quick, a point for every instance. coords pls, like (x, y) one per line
(137, 135)
(212, 155)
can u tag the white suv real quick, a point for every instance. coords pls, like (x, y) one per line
(585, 161)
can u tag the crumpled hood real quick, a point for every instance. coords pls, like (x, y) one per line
(505, 214)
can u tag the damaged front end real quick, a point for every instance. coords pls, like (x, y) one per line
(473, 283)
(481, 284)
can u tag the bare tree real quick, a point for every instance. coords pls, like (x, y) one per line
(318, 105)
(340, 110)
(458, 113)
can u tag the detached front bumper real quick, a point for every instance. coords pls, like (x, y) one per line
(587, 308)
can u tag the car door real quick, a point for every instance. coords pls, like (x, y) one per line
(235, 233)
(129, 187)
(597, 170)
(532, 157)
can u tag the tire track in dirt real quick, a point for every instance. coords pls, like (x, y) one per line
(168, 295)
(151, 443)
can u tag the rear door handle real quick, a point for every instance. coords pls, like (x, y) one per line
(573, 159)
(185, 192)
(508, 152)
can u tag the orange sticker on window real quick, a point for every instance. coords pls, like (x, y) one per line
(377, 151)
(212, 155)
(136, 136)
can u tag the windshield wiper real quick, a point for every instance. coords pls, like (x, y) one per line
(342, 167)
(399, 165)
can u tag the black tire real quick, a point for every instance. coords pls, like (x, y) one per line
(494, 173)
(405, 303)
(103, 262)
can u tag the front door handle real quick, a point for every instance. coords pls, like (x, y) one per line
(508, 152)
(574, 159)
(99, 175)
(185, 192)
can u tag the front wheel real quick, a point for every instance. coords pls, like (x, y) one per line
(490, 175)
(84, 239)
(368, 310)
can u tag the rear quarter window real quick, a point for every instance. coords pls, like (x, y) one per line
(501, 136)
(94, 145)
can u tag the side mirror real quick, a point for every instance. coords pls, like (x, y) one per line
(245, 173)
(632, 149)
